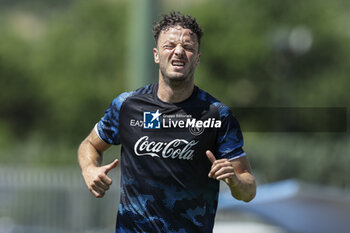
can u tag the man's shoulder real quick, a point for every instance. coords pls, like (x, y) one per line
(222, 108)
(121, 98)
(206, 97)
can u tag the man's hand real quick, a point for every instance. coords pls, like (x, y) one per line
(236, 174)
(222, 169)
(96, 178)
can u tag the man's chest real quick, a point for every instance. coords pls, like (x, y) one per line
(168, 133)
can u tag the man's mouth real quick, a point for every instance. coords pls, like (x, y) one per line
(178, 63)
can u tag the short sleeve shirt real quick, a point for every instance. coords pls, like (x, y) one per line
(164, 168)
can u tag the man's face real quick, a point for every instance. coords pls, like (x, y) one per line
(177, 54)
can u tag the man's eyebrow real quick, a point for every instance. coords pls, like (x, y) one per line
(168, 42)
(189, 42)
(174, 41)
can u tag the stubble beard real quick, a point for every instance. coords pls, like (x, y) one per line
(177, 81)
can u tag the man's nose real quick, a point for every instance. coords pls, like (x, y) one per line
(179, 50)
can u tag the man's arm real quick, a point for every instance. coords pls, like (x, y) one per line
(90, 155)
(236, 174)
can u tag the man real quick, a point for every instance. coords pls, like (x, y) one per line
(177, 141)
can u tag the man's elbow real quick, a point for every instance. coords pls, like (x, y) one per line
(246, 196)
(249, 197)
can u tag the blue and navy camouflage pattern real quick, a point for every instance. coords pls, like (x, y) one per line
(164, 172)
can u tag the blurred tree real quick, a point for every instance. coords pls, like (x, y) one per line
(81, 63)
(19, 96)
(58, 73)
(274, 53)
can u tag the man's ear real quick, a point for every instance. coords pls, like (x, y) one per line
(198, 59)
(156, 55)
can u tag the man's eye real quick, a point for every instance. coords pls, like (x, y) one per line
(189, 47)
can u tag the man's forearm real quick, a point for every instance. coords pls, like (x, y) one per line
(90, 160)
(244, 188)
(88, 155)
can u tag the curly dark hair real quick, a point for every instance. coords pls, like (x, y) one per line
(175, 18)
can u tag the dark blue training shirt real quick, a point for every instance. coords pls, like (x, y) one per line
(164, 168)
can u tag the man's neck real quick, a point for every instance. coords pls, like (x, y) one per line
(174, 93)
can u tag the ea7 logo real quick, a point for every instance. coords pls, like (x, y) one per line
(151, 120)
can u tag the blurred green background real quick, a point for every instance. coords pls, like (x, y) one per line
(62, 62)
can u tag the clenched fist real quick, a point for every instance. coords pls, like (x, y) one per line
(96, 178)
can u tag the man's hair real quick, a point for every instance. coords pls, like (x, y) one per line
(175, 18)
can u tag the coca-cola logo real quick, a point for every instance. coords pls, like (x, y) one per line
(175, 149)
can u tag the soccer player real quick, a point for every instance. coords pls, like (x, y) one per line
(177, 141)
